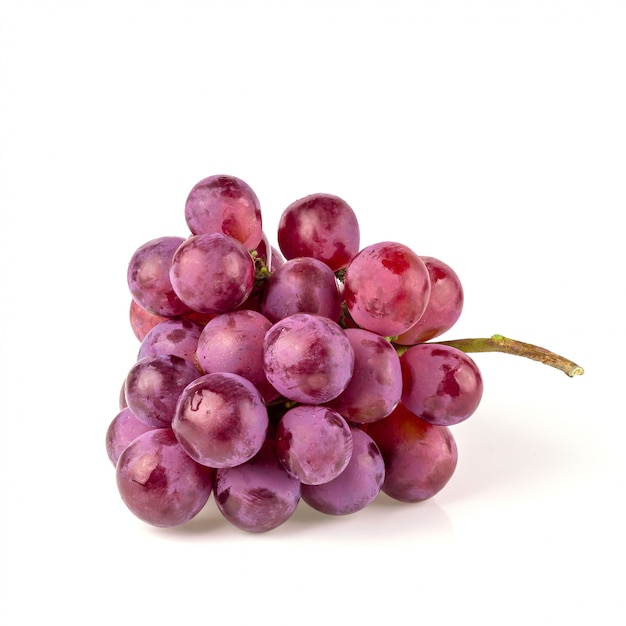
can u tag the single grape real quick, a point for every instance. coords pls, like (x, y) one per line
(386, 288)
(322, 226)
(271, 261)
(159, 482)
(441, 384)
(444, 305)
(233, 342)
(356, 486)
(172, 336)
(420, 458)
(308, 358)
(313, 443)
(123, 429)
(149, 280)
(227, 205)
(142, 321)
(301, 285)
(258, 495)
(153, 386)
(212, 273)
(376, 383)
(220, 420)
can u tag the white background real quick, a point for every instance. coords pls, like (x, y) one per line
(489, 134)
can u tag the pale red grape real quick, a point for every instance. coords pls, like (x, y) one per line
(322, 226)
(444, 307)
(313, 443)
(420, 458)
(212, 273)
(220, 420)
(225, 204)
(159, 482)
(441, 384)
(386, 288)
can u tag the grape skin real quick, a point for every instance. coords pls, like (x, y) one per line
(357, 486)
(142, 321)
(220, 420)
(258, 495)
(314, 443)
(172, 336)
(386, 288)
(441, 384)
(420, 458)
(212, 273)
(159, 482)
(444, 307)
(308, 358)
(225, 204)
(375, 387)
(233, 342)
(148, 277)
(301, 285)
(153, 385)
(123, 429)
(322, 226)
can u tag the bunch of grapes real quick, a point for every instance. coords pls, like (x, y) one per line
(268, 375)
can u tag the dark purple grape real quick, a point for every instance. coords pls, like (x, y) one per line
(221, 420)
(212, 273)
(233, 342)
(159, 482)
(321, 226)
(258, 495)
(386, 288)
(172, 336)
(302, 285)
(356, 486)
(149, 280)
(308, 358)
(376, 384)
(227, 205)
(444, 305)
(313, 443)
(123, 429)
(441, 384)
(420, 458)
(153, 386)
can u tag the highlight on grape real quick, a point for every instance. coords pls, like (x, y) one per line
(308, 370)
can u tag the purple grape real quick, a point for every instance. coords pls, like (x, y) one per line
(159, 482)
(123, 429)
(376, 384)
(172, 336)
(153, 386)
(386, 288)
(227, 205)
(212, 273)
(221, 420)
(149, 280)
(321, 226)
(356, 486)
(233, 342)
(275, 258)
(258, 495)
(420, 458)
(302, 285)
(142, 321)
(308, 358)
(444, 305)
(313, 443)
(441, 384)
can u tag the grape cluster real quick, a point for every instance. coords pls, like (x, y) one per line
(268, 375)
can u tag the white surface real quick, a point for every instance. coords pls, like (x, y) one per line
(488, 134)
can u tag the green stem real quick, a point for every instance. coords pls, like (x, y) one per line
(499, 343)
